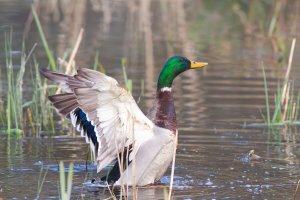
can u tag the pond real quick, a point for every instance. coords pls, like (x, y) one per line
(214, 106)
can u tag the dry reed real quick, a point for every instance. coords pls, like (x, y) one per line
(288, 71)
(173, 165)
(69, 64)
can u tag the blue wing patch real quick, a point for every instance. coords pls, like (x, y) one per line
(87, 126)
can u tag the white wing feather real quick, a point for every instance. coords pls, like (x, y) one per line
(114, 113)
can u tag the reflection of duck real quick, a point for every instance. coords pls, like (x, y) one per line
(109, 118)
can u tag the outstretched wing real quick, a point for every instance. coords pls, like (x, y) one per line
(111, 110)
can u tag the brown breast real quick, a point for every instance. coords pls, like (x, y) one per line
(163, 111)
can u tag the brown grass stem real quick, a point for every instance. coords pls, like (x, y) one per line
(288, 71)
(29, 115)
(113, 196)
(286, 102)
(294, 112)
(75, 49)
(62, 62)
(296, 190)
(71, 59)
(134, 191)
(120, 163)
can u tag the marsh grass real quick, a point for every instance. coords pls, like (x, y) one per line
(286, 103)
(40, 107)
(14, 96)
(43, 38)
(97, 64)
(16, 112)
(65, 184)
(128, 82)
(283, 113)
(41, 180)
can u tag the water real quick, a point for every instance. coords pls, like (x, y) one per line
(213, 105)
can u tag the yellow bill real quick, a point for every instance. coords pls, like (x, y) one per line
(198, 64)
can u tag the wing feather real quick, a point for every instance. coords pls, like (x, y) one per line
(111, 110)
(117, 114)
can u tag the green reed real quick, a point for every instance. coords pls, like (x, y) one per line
(40, 106)
(14, 109)
(2, 106)
(44, 41)
(286, 107)
(128, 82)
(267, 118)
(65, 186)
(286, 104)
(16, 112)
(41, 181)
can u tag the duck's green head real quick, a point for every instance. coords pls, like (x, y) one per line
(173, 67)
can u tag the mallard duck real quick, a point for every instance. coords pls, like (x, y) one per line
(116, 129)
